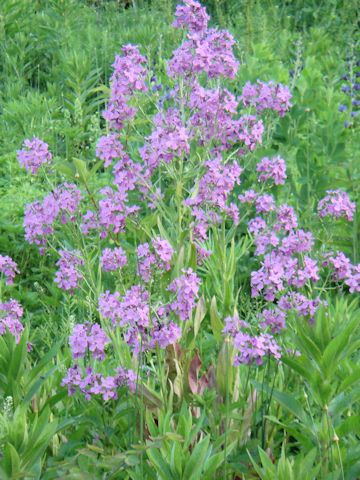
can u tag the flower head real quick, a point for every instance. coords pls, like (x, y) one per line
(34, 154)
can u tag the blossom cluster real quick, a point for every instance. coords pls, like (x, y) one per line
(109, 148)
(113, 259)
(92, 339)
(40, 217)
(34, 154)
(86, 337)
(200, 132)
(128, 77)
(206, 50)
(186, 288)
(336, 204)
(90, 383)
(11, 313)
(159, 256)
(344, 270)
(142, 329)
(274, 169)
(8, 268)
(250, 349)
(267, 96)
(68, 275)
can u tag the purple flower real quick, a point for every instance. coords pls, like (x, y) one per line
(250, 131)
(39, 219)
(86, 336)
(168, 140)
(113, 212)
(146, 259)
(264, 203)
(68, 275)
(113, 259)
(68, 198)
(217, 184)
(164, 251)
(297, 241)
(336, 204)
(40, 216)
(254, 349)
(302, 305)
(353, 280)
(273, 168)
(109, 306)
(128, 78)
(108, 148)
(131, 312)
(192, 15)
(97, 340)
(286, 218)
(267, 96)
(257, 225)
(166, 334)
(209, 51)
(275, 319)
(249, 196)
(10, 316)
(90, 383)
(89, 222)
(34, 154)
(159, 257)
(233, 325)
(8, 268)
(341, 265)
(78, 341)
(186, 288)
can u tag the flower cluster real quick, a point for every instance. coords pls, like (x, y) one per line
(336, 204)
(159, 257)
(92, 339)
(87, 337)
(169, 139)
(113, 211)
(8, 268)
(40, 217)
(344, 270)
(204, 50)
(141, 330)
(212, 195)
(113, 259)
(267, 96)
(11, 313)
(68, 275)
(89, 383)
(128, 77)
(275, 319)
(34, 154)
(109, 148)
(252, 350)
(274, 169)
(192, 16)
(186, 288)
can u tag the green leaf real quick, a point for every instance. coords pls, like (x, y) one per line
(199, 315)
(11, 461)
(195, 464)
(160, 465)
(217, 325)
(287, 401)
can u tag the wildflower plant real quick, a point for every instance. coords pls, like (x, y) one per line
(179, 197)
